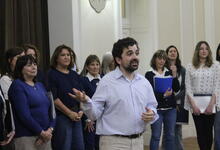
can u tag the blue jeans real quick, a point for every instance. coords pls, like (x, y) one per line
(217, 131)
(178, 137)
(67, 134)
(168, 118)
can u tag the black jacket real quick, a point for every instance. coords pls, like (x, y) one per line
(164, 102)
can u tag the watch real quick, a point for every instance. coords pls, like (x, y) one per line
(98, 5)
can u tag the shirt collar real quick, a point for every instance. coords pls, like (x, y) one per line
(119, 74)
(158, 74)
(91, 77)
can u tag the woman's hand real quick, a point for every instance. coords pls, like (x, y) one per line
(209, 109)
(74, 116)
(196, 110)
(8, 138)
(39, 141)
(168, 92)
(46, 135)
(173, 68)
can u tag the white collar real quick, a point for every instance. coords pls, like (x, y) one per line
(158, 74)
(91, 77)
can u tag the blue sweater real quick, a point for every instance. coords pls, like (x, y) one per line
(61, 84)
(89, 87)
(31, 108)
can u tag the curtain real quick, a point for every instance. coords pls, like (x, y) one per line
(25, 21)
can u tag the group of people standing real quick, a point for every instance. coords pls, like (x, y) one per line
(27, 108)
(108, 105)
(195, 89)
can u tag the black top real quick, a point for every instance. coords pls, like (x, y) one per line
(164, 102)
(89, 86)
(60, 84)
(181, 95)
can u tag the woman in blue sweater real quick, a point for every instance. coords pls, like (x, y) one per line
(166, 108)
(61, 80)
(31, 105)
(90, 80)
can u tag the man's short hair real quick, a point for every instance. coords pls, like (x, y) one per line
(118, 47)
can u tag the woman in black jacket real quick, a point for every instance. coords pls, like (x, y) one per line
(166, 102)
(182, 114)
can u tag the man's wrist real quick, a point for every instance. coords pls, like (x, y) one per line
(85, 100)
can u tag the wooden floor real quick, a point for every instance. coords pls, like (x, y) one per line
(189, 144)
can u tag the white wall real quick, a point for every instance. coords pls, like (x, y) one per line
(98, 31)
(60, 23)
(141, 24)
(76, 24)
(217, 22)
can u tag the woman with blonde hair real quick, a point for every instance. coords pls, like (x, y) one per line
(202, 93)
(90, 80)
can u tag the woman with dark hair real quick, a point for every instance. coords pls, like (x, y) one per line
(218, 53)
(9, 62)
(75, 67)
(31, 105)
(174, 63)
(32, 50)
(166, 108)
(90, 80)
(61, 80)
(202, 93)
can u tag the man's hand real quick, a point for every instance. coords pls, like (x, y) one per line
(81, 96)
(148, 115)
(89, 126)
(8, 138)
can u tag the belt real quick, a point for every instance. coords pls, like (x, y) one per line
(202, 94)
(133, 136)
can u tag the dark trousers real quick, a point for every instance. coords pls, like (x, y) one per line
(91, 140)
(67, 134)
(204, 130)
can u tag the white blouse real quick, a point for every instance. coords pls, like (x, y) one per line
(5, 83)
(203, 80)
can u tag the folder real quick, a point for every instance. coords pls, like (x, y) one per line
(202, 103)
(162, 84)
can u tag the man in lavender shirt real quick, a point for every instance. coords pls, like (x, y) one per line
(123, 103)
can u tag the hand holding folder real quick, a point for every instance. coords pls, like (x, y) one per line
(162, 84)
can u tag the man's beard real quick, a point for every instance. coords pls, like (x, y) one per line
(131, 68)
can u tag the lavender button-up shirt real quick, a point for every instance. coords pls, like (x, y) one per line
(118, 104)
